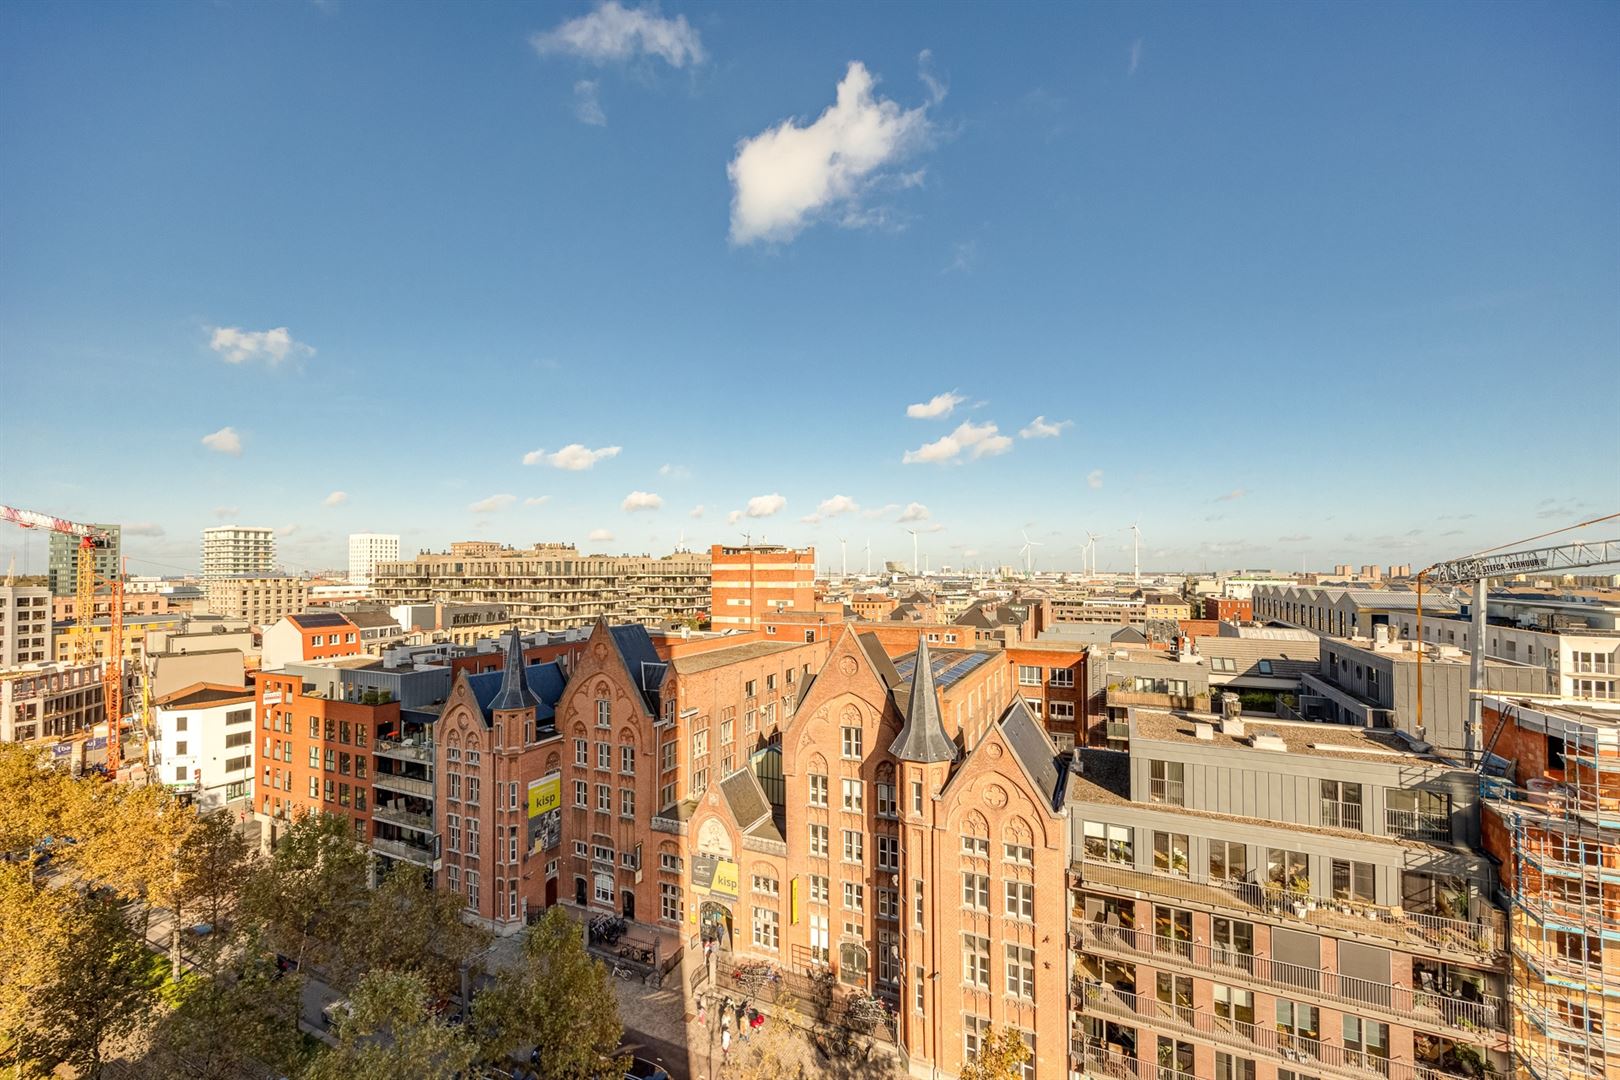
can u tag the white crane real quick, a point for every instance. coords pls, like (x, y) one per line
(914, 563)
(1028, 552)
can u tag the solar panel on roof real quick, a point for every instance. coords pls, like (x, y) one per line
(320, 618)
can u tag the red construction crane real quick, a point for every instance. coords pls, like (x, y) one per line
(91, 539)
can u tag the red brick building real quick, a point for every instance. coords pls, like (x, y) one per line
(1227, 609)
(751, 581)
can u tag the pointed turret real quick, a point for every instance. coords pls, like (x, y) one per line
(923, 738)
(514, 692)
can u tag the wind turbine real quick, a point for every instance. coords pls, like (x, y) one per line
(868, 556)
(1091, 552)
(914, 562)
(843, 552)
(1027, 551)
(1136, 554)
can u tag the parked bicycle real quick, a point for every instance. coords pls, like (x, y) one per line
(638, 953)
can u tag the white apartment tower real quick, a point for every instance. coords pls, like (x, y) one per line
(25, 624)
(235, 550)
(366, 550)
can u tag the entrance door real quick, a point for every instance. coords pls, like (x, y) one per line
(551, 891)
(628, 907)
(579, 891)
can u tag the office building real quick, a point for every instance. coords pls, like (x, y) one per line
(237, 551)
(258, 598)
(63, 569)
(25, 624)
(754, 580)
(204, 750)
(366, 550)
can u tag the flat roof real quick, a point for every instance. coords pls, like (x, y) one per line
(1340, 742)
(731, 654)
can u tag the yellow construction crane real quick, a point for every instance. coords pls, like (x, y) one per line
(91, 540)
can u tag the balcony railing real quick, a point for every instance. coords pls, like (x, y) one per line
(1489, 1013)
(1417, 825)
(1278, 1043)
(1341, 815)
(395, 816)
(1157, 700)
(409, 785)
(400, 850)
(404, 749)
(1480, 939)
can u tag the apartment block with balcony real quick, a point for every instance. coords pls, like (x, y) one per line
(25, 624)
(1276, 901)
(1121, 677)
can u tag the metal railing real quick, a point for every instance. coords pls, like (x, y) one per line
(1409, 1005)
(406, 818)
(404, 749)
(401, 850)
(409, 785)
(1483, 937)
(1416, 825)
(1280, 1044)
(1341, 815)
(1168, 792)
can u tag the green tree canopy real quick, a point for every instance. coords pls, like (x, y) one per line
(392, 1033)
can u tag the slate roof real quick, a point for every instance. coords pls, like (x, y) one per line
(371, 618)
(989, 616)
(745, 798)
(641, 660)
(1034, 750)
(514, 693)
(922, 738)
(540, 686)
(1289, 658)
(205, 694)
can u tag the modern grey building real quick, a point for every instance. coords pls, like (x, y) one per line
(63, 569)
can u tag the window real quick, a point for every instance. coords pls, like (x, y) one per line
(888, 957)
(819, 938)
(888, 852)
(181, 747)
(854, 846)
(581, 849)
(1022, 854)
(1296, 1020)
(854, 896)
(1034, 706)
(1341, 805)
(767, 885)
(767, 928)
(1418, 815)
(976, 892)
(1287, 869)
(453, 877)
(582, 752)
(1225, 664)
(472, 790)
(1108, 843)
(888, 904)
(582, 794)
(474, 837)
(853, 741)
(1020, 899)
(669, 902)
(314, 787)
(1165, 782)
(700, 743)
(1366, 1041)
(1234, 1004)
(1029, 675)
(1353, 881)
(1228, 1067)
(604, 755)
(472, 887)
(751, 688)
(854, 796)
(627, 802)
(916, 797)
(1060, 710)
(604, 718)
(1264, 666)
(852, 962)
(974, 1029)
(604, 798)
(1060, 676)
(818, 841)
(726, 732)
(1170, 853)
(1228, 860)
(627, 759)
(919, 988)
(603, 889)
(1021, 972)
(512, 845)
(976, 960)
(885, 801)
(976, 847)
(819, 888)
(453, 828)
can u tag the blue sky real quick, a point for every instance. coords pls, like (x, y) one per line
(1332, 283)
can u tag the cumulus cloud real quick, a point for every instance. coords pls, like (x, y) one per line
(573, 457)
(765, 505)
(788, 176)
(1231, 496)
(614, 33)
(492, 504)
(238, 346)
(696, 511)
(600, 534)
(675, 472)
(1094, 479)
(838, 504)
(143, 528)
(337, 498)
(1041, 428)
(733, 517)
(641, 500)
(915, 512)
(876, 512)
(588, 103)
(977, 440)
(537, 500)
(224, 441)
(934, 408)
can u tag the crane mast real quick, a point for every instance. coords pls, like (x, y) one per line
(90, 540)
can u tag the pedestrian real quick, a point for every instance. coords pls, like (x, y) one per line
(756, 1019)
(725, 1044)
(702, 1010)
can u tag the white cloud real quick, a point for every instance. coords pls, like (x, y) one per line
(537, 500)
(1136, 56)
(940, 405)
(573, 457)
(915, 512)
(641, 500)
(600, 534)
(287, 530)
(238, 346)
(224, 441)
(1094, 479)
(880, 511)
(962, 256)
(787, 176)
(675, 472)
(588, 103)
(734, 517)
(1231, 496)
(337, 498)
(143, 528)
(1040, 428)
(765, 505)
(810, 519)
(223, 512)
(614, 33)
(979, 440)
(492, 504)
(696, 511)
(838, 504)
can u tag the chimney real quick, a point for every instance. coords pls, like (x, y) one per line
(1232, 715)
(1380, 635)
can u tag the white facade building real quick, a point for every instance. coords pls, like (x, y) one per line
(205, 744)
(366, 550)
(25, 624)
(238, 551)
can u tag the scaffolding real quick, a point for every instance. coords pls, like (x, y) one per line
(1563, 881)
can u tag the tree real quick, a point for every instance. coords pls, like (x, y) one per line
(213, 868)
(392, 1033)
(1001, 1056)
(230, 1025)
(33, 798)
(304, 900)
(32, 923)
(410, 927)
(102, 985)
(558, 1000)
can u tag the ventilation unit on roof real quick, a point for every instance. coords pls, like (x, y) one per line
(1273, 743)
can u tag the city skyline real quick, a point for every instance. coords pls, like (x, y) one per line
(1268, 287)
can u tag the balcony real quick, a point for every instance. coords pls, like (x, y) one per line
(1478, 942)
(396, 816)
(1417, 825)
(1401, 1003)
(397, 849)
(420, 750)
(405, 785)
(1280, 1044)
(1153, 700)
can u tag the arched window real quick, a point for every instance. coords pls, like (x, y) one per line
(852, 964)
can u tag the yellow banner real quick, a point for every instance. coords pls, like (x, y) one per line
(725, 878)
(545, 795)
